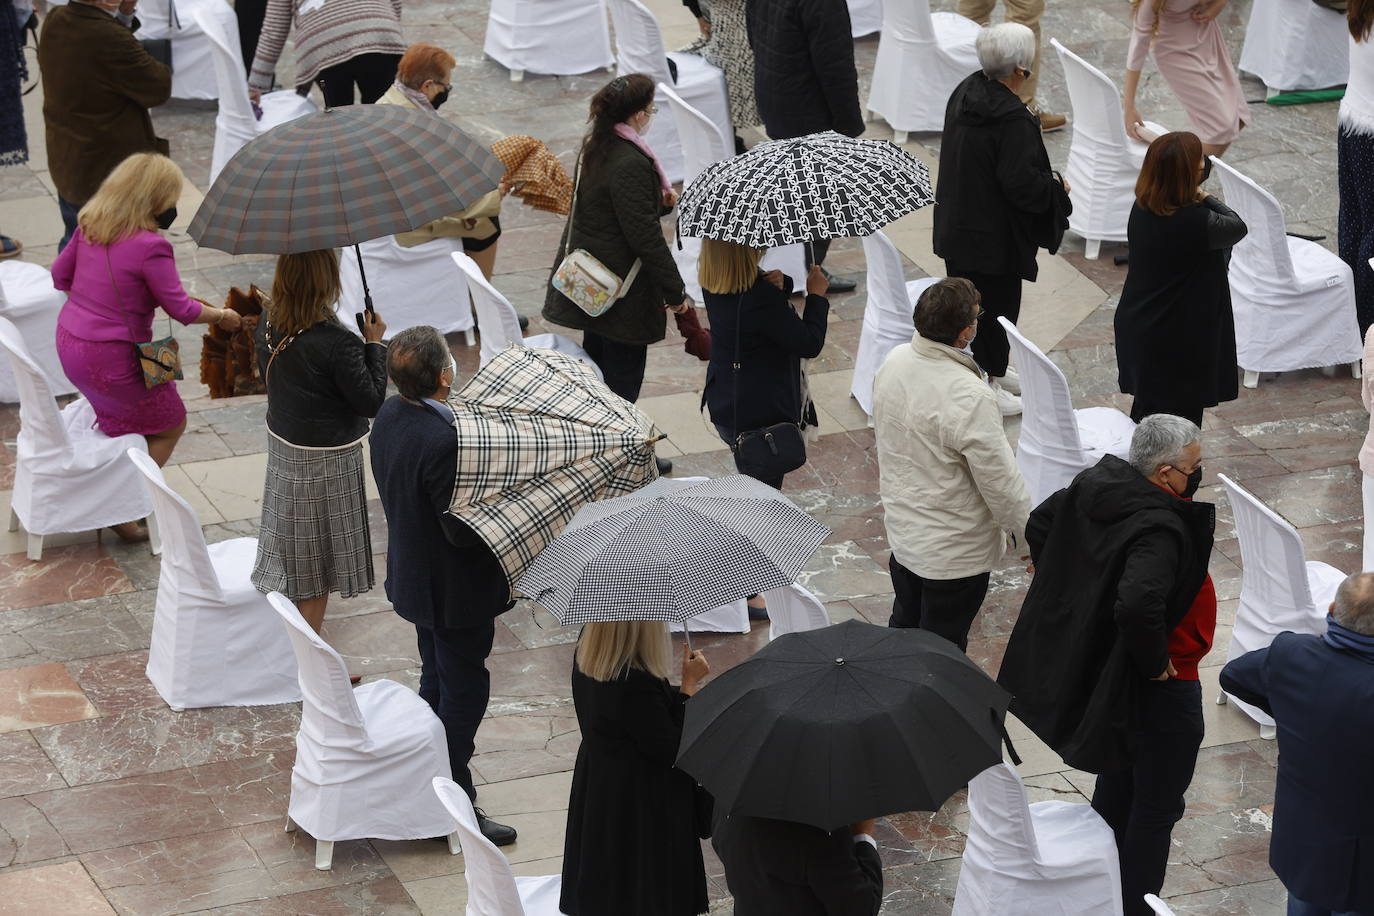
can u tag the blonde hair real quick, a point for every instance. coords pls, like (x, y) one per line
(1156, 7)
(129, 198)
(304, 290)
(608, 649)
(725, 267)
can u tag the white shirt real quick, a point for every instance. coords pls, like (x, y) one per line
(1357, 108)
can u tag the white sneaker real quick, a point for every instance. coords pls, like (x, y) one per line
(1008, 403)
(1011, 381)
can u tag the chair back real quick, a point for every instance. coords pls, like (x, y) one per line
(1047, 417)
(1095, 99)
(909, 20)
(497, 319)
(235, 124)
(1273, 563)
(638, 41)
(491, 886)
(41, 433)
(1159, 907)
(1263, 253)
(329, 714)
(793, 609)
(703, 142)
(185, 558)
(999, 817)
(887, 303)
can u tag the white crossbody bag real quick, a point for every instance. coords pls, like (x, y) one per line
(592, 286)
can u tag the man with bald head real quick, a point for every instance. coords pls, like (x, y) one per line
(1320, 691)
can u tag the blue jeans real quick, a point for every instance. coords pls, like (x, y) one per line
(68, 211)
(1298, 907)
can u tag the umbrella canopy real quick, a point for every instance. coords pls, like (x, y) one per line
(822, 185)
(837, 725)
(539, 435)
(671, 551)
(535, 174)
(340, 177)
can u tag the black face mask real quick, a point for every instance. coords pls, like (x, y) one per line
(1206, 169)
(1194, 481)
(166, 218)
(439, 99)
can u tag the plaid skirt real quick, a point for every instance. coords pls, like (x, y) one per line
(314, 538)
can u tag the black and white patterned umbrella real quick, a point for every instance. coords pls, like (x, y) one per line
(822, 185)
(672, 550)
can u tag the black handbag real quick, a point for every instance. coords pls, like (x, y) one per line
(160, 50)
(770, 452)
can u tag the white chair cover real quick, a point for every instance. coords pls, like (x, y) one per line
(28, 299)
(794, 609)
(865, 16)
(365, 758)
(193, 70)
(1057, 441)
(410, 286)
(560, 37)
(639, 49)
(922, 56)
(492, 889)
(499, 324)
(1279, 589)
(1294, 301)
(887, 314)
(1030, 860)
(1296, 44)
(216, 641)
(235, 124)
(68, 475)
(1159, 906)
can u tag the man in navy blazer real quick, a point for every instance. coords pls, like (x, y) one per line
(440, 575)
(1320, 691)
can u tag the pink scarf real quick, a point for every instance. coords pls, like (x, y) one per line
(626, 132)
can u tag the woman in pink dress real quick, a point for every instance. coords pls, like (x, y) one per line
(1191, 54)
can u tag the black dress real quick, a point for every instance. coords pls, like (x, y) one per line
(1175, 333)
(631, 846)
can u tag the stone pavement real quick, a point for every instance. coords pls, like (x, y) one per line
(110, 801)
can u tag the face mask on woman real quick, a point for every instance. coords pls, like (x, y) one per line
(166, 218)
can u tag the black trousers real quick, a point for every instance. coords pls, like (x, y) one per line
(1142, 804)
(372, 73)
(455, 683)
(249, 14)
(1143, 407)
(1001, 295)
(945, 607)
(622, 365)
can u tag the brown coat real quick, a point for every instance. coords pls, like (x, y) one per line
(98, 84)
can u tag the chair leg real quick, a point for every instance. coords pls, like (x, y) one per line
(290, 825)
(1251, 379)
(14, 519)
(154, 536)
(517, 76)
(469, 337)
(899, 137)
(324, 855)
(1092, 249)
(1268, 732)
(35, 546)
(1356, 371)
(454, 847)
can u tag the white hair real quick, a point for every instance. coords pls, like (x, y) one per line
(1005, 47)
(1160, 439)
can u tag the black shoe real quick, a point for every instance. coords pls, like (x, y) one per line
(664, 465)
(840, 283)
(524, 323)
(499, 834)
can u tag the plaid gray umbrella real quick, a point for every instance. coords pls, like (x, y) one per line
(539, 436)
(822, 185)
(672, 550)
(340, 177)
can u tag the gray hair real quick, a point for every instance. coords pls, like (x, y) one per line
(414, 360)
(1160, 439)
(1005, 47)
(1354, 604)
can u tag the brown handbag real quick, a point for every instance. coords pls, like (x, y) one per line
(228, 366)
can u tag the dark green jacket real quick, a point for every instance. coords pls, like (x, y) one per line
(616, 218)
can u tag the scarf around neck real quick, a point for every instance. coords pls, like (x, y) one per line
(626, 132)
(1339, 637)
(416, 97)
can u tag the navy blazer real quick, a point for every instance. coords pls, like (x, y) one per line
(1322, 699)
(439, 573)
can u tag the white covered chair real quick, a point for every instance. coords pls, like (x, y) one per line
(865, 17)
(1296, 44)
(1104, 161)
(499, 323)
(193, 68)
(216, 641)
(28, 299)
(492, 889)
(1279, 588)
(1030, 860)
(365, 758)
(68, 475)
(794, 609)
(1294, 301)
(235, 124)
(410, 286)
(559, 37)
(639, 49)
(1159, 906)
(922, 56)
(1058, 441)
(888, 319)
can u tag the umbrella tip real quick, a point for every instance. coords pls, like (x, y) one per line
(839, 661)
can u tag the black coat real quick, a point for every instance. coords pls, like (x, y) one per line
(804, 75)
(631, 847)
(1118, 562)
(616, 218)
(995, 195)
(776, 867)
(1322, 699)
(773, 341)
(439, 573)
(1175, 333)
(323, 385)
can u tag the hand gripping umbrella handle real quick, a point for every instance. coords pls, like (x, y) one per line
(1001, 727)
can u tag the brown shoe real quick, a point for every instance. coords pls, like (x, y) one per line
(130, 532)
(1050, 121)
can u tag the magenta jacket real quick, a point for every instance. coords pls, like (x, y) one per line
(145, 274)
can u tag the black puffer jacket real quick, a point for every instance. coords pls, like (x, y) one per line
(804, 75)
(323, 385)
(616, 218)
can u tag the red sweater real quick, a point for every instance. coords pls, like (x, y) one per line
(1191, 639)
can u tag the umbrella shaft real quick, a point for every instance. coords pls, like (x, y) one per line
(362, 275)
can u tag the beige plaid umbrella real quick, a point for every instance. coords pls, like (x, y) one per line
(539, 436)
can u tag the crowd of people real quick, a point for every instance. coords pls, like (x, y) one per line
(1120, 595)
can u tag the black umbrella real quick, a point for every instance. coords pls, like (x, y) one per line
(838, 725)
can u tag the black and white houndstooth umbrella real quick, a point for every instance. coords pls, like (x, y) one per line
(672, 550)
(822, 185)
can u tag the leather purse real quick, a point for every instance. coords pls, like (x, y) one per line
(160, 358)
(592, 286)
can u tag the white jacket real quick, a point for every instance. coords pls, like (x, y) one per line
(950, 485)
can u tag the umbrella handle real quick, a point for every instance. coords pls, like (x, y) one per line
(1001, 727)
(362, 274)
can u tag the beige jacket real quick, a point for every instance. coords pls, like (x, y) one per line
(952, 493)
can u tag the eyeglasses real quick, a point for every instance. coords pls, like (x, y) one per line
(652, 109)
(977, 315)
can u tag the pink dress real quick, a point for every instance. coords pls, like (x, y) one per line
(1193, 58)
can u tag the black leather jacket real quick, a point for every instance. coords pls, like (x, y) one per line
(323, 385)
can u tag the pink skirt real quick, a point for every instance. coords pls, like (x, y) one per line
(107, 374)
